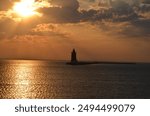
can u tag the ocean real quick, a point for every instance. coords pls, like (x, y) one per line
(43, 79)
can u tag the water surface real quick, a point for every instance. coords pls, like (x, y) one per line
(48, 79)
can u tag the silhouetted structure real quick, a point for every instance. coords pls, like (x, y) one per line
(74, 57)
(74, 61)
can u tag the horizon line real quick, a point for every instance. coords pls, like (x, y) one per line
(66, 60)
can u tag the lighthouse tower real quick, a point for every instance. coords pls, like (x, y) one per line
(74, 57)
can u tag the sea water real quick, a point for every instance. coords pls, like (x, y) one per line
(39, 79)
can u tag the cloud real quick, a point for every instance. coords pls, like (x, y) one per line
(6, 4)
(71, 4)
(60, 15)
(6, 27)
(138, 29)
(9, 27)
(89, 4)
(146, 1)
(62, 11)
(117, 31)
(48, 30)
(142, 27)
(65, 12)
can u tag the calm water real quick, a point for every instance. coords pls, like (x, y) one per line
(46, 79)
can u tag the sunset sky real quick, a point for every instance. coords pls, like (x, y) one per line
(104, 30)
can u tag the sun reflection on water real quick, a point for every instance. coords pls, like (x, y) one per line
(25, 79)
(23, 74)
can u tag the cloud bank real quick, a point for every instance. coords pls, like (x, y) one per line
(53, 12)
(107, 27)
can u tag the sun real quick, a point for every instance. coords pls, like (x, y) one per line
(25, 8)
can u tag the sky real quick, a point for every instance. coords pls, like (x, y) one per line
(99, 30)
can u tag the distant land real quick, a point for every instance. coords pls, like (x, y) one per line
(98, 62)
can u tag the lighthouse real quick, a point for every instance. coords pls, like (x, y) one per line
(74, 57)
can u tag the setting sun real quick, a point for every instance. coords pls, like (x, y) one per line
(25, 8)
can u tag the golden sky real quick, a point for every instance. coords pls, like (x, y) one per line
(106, 30)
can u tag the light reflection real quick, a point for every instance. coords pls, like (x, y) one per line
(23, 74)
(25, 79)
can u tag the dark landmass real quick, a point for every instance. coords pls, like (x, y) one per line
(88, 63)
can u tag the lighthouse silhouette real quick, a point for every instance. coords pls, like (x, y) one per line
(74, 57)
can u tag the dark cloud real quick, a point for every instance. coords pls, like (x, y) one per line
(121, 7)
(68, 11)
(136, 30)
(63, 11)
(146, 1)
(116, 10)
(144, 8)
(142, 25)
(60, 15)
(71, 4)
(125, 13)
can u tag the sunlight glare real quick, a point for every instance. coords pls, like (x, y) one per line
(25, 8)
